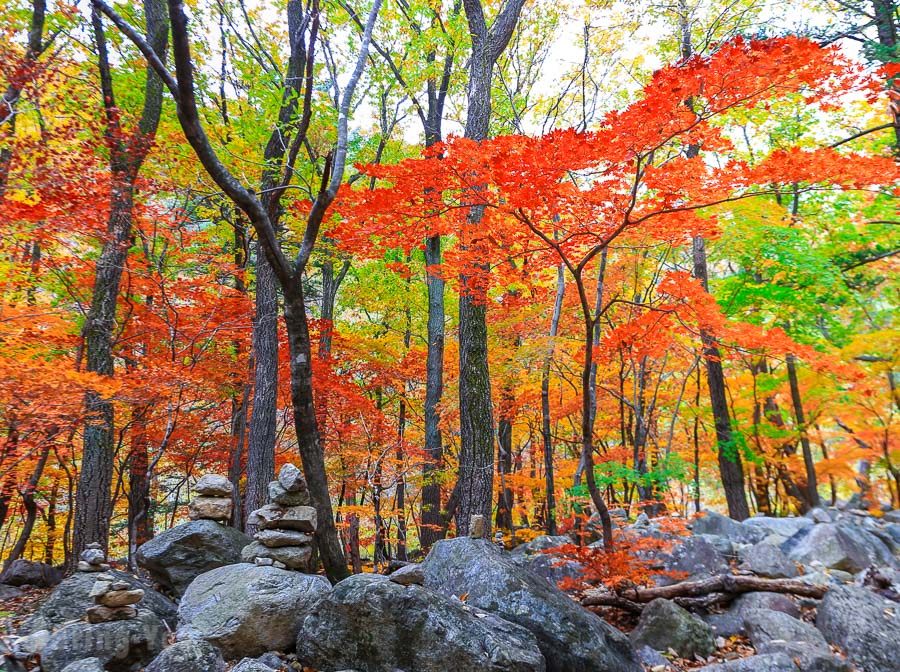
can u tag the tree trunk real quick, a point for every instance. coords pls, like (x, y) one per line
(140, 516)
(30, 505)
(549, 487)
(812, 490)
(504, 462)
(729, 455)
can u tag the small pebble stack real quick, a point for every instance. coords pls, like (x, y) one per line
(213, 499)
(114, 600)
(93, 559)
(286, 524)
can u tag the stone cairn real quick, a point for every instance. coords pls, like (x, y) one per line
(113, 600)
(286, 524)
(213, 500)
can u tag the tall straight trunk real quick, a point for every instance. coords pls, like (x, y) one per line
(812, 489)
(263, 417)
(729, 456)
(50, 522)
(93, 502)
(140, 516)
(505, 462)
(476, 431)
(549, 487)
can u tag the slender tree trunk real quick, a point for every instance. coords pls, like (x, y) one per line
(549, 487)
(31, 510)
(812, 490)
(140, 517)
(504, 462)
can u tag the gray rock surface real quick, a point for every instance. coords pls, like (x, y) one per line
(766, 626)
(409, 575)
(664, 625)
(247, 610)
(785, 527)
(177, 556)
(865, 625)
(27, 573)
(808, 658)
(570, 637)
(770, 662)
(71, 598)
(697, 558)
(731, 622)
(294, 557)
(214, 485)
(840, 546)
(768, 561)
(119, 645)
(716, 523)
(188, 656)
(86, 665)
(10, 592)
(252, 665)
(371, 623)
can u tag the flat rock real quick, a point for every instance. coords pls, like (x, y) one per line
(808, 658)
(71, 598)
(785, 527)
(121, 598)
(210, 508)
(569, 636)
(272, 516)
(293, 557)
(371, 623)
(214, 485)
(188, 656)
(664, 625)
(409, 575)
(177, 556)
(120, 645)
(102, 614)
(769, 662)
(865, 625)
(768, 561)
(246, 610)
(278, 538)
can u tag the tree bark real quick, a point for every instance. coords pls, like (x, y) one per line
(549, 486)
(812, 489)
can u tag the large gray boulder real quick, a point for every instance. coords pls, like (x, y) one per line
(28, 573)
(571, 638)
(766, 626)
(664, 625)
(715, 523)
(69, 599)
(731, 622)
(177, 556)
(246, 610)
(696, 557)
(783, 527)
(188, 656)
(865, 625)
(808, 658)
(120, 646)
(546, 565)
(769, 662)
(86, 665)
(768, 561)
(370, 623)
(845, 547)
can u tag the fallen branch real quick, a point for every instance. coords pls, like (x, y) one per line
(711, 590)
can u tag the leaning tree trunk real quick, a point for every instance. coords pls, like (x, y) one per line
(812, 489)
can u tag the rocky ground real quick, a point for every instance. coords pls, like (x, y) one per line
(831, 605)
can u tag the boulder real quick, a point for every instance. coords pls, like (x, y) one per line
(119, 645)
(9, 592)
(715, 523)
(807, 657)
(291, 478)
(409, 575)
(838, 546)
(278, 494)
(86, 665)
(820, 515)
(540, 543)
(865, 625)
(271, 516)
(546, 565)
(770, 662)
(767, 560)
(210, 508)
(30, 646)
(247, 610)
(214, 485)
(372, 623)
(664, 625)
(570, 637)
(785, 527)
(188, 656)
(278, 538)
(765, 626)
(252, 665)
(71, 598)
(27, 573)
(293, 557)
(721, 544)
(177, 556)
(695, 557)
(731, 622)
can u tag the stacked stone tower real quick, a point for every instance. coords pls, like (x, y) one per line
(213, 500)
(113, 600)
(286, 524)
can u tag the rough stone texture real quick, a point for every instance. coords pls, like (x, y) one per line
(177, 556)
(664, 625)
(770, 662)
(838, 546)
(731, 622)
(252, 665)
(121, 598)
(374, 624)
(765, 626)
(294, 557)
(291, 478)
(767, 560)
(10, 592)
(86, 665)
(210, 508)
(409, 575)
(300, 518)
(547, 566)
(214, 485)
(651, 658)
(278, 494)
(808, 658)
(188, 656)
(27, 573)
(540, 543)
(570, 637)
(696, 557)
(120, 646)
(865, 625)
(247, 610)
(278, 538)
(71, 598)
(31, 645)
(100, 614)
(785, 527)
(721, 544)
(715, 523)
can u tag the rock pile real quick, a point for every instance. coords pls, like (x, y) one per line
(286, 524)
(213, 499)
(113, 600)
(92, 559)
